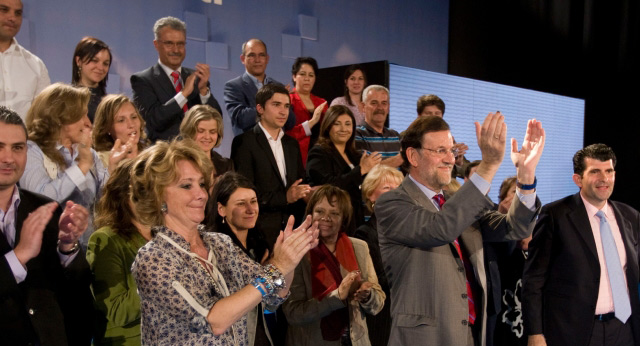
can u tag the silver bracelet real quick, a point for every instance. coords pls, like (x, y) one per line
(275, 279)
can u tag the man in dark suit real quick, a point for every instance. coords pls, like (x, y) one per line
(272, 161)
(240, 92)
(44, 277)
(433, 251)
(164, 91)
(580, 284)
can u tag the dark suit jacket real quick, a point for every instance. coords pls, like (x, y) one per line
(240, 99)
(253, 158)
(153, 93)
(426, 275)
(51, 297)
(326, 166)
(562, 274)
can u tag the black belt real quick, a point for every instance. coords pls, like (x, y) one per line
(606, 317)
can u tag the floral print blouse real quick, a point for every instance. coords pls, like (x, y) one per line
(171, 317)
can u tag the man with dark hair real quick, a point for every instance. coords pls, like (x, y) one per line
(44, 277)
(240, 92)
(433, 105)
(432, 250)
(166, 90)
(23, 74)
(271, 160)
(580, 284)
(430, 105)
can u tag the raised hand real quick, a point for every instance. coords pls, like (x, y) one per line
(73, 223)
(292, 245)
(297, 191)
(31, 233)
(462, 150)
(85, 156)
(492, 138)
(203, 73)
(526, 159)
(317, 113)
(368, 161)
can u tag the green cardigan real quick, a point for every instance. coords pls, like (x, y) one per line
(110, 256)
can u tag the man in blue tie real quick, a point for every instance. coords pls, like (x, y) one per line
(580, 284)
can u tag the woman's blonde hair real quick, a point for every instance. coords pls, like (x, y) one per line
(57, 105)
(195, 115)
(376, 176)
(155, 169)
(104, 119)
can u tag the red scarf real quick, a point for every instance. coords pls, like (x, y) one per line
(326, 277)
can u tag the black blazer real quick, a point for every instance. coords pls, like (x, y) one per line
(253, 158)
(51, 297)
(326, 166)
(562, 274)
(153, 93)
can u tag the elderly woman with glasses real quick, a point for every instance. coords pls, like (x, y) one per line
(335, 285)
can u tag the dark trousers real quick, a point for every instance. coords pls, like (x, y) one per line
(611, 333)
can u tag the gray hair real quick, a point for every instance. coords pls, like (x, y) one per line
(373, 87)
(10, 117)
(171, 22)
(244, 45)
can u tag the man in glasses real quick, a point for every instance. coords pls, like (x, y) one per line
(166, 90)
(433, 251)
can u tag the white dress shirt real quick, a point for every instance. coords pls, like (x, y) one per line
(278, 152)
(23, 78)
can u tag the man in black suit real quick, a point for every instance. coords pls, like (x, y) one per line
(165, 91)
(580, 284)
(240, 92)
(272, 161)
(44, 277)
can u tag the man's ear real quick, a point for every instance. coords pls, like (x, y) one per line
(577, 179)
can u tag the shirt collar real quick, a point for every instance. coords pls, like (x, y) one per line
(168, 70)
(592, 209)
(427, 191)
(15, 200)
(255, 80)
(280, 133)
(368, 127)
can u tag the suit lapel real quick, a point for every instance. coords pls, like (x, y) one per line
(249, 89)
(417, 195)
(163, 80)
(630, 239)
(291, 162)
(263, 143)
(580, 220)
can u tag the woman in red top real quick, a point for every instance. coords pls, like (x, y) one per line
(307, 107)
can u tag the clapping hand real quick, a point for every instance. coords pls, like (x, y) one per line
(526, 159)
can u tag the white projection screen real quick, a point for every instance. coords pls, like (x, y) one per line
(468, 100)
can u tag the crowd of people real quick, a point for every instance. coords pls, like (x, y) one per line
(122, 224)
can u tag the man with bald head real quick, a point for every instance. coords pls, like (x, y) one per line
(240, 92)
(22, 74)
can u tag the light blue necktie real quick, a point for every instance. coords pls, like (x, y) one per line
(616, 278)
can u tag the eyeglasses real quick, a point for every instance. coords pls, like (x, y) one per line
(442, 152)
(171, 44)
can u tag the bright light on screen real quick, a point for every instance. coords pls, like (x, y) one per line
(468, 101)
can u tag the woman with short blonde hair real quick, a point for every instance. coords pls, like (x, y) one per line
(60, 161)
(203, 124)
(196, 286)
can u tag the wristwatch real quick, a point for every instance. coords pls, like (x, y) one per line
(74, 249)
